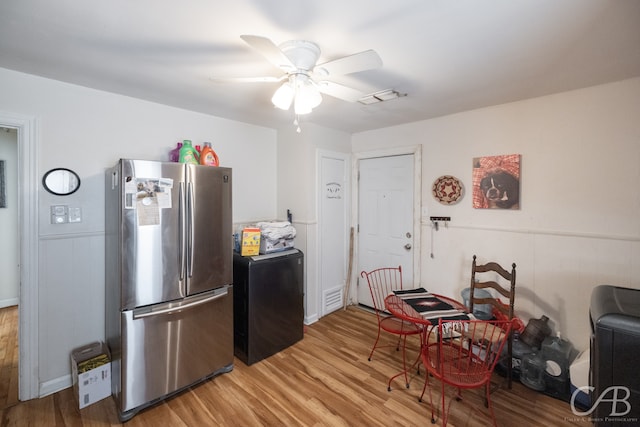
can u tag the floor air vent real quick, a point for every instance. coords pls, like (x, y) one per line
(332, 300)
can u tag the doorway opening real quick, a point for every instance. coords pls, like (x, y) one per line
(9, 255)
(27, 198)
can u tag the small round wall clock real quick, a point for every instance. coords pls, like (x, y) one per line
(447, 189)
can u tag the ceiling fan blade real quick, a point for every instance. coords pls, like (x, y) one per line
(270, 51)
(248, 79)
(339, 91)
(366, 60)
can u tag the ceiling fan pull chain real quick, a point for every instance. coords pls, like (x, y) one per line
(296, 123)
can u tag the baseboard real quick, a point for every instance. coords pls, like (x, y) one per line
(366, 308)
(8, 302)
(55, 385)
(310, 319)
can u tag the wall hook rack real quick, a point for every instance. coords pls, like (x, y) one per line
(436, 219)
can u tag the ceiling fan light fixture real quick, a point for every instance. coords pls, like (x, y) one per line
(300, 91)
(306, 80)
(301, 107)
(283, 97)
(307, 97)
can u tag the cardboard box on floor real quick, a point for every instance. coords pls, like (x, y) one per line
(91, 373)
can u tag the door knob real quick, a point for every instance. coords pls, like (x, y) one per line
(407, 246)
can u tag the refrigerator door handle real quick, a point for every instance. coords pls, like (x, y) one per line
(171, 308)
(191, 229)
(181, 230)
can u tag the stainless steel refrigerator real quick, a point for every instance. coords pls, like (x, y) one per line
(169, 275)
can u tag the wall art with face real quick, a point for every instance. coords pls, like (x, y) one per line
(496, 182)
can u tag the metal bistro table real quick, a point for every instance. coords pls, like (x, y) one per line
(424, 309)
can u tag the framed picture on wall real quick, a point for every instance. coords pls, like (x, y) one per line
(3, 193)
(496, 182)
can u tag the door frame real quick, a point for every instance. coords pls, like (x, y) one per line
(416, 151)
(28, 385)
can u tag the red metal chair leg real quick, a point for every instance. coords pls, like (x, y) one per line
(405, 370)
(374, 345)
(488, 397)
(424, 387)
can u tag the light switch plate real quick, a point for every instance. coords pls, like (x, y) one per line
(75, 214)
(59, 214)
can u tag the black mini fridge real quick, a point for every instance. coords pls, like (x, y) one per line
(615, 348)
(268, 307)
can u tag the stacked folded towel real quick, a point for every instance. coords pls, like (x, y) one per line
(277, 230)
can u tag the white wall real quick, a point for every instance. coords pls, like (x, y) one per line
(297, 191)
(578, 225)
(9, 244)
(579, 221)
(87, 131)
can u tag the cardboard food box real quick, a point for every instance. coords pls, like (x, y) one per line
(91, 373)
(250, 242)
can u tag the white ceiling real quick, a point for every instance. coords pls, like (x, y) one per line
(446, 55)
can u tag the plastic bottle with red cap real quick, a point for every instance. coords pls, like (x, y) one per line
(208, 156)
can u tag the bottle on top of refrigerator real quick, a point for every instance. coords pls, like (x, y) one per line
(174, 155)
(208, 156)
(188, 154)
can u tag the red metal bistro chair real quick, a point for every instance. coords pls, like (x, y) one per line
(464, 356)
(382, 282)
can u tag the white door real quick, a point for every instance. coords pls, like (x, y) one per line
(385, 218)
(334, 234)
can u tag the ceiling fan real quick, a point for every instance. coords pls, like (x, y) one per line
(304, 80)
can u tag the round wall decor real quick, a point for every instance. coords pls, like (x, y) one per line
(447, 190)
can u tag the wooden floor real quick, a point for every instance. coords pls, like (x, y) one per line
(8, 356)
(324, 380)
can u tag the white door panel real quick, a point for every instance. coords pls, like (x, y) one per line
(333, 227)
(385, 218)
